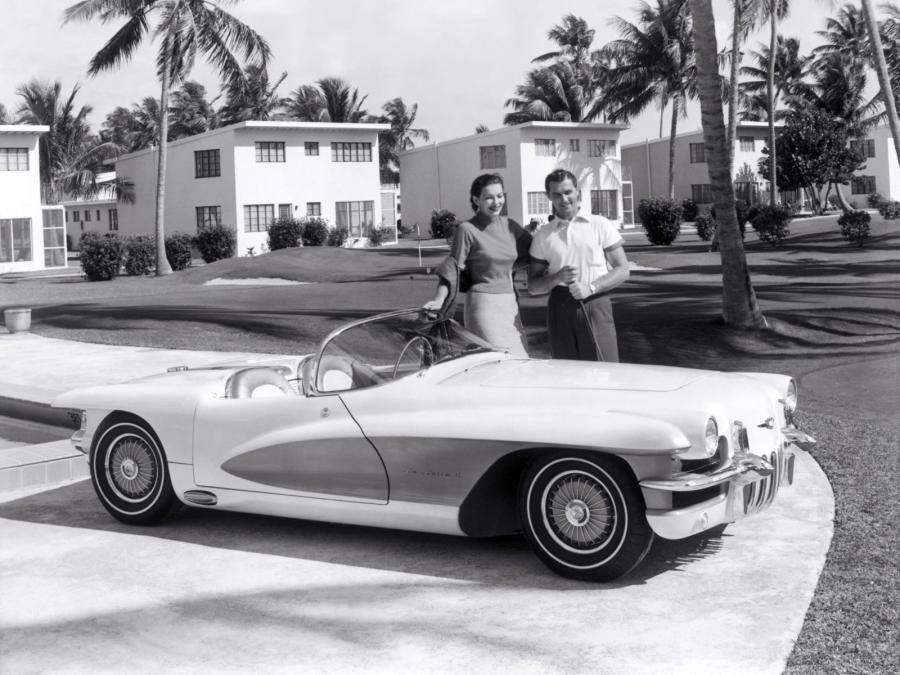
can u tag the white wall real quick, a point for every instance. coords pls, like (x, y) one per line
(74, 229)
(20, 197)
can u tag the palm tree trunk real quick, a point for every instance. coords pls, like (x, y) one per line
(884, 80)
(675, 107)
(162, 262)
(770, 90)
(739, 304)
(733, 77)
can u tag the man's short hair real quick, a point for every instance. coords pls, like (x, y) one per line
(558, 176)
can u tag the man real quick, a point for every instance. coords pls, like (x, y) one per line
(578, 259)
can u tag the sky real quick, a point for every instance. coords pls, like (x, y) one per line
(459, 60)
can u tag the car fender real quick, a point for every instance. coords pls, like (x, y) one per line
(168, 410)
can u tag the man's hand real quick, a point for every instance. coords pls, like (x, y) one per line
(580, 291)
(566, 275)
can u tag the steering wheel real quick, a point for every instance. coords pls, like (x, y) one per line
(428, 356)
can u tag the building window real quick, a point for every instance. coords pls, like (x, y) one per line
(269, 151)
(603, 203)
(866, 147)
(76, 216)
(357, 217)
(285, 211)
(258, 217)
(13, 159)
(862, 185)
(574, 145)
(545, 147)
(206, 164)
(538, 203)
(351, 152)
(87, 215)
(698, 154)
(601, 148)
(15, 240)
(67, 216)
(747, 143)
(701, 194)
(98, 215)
(311, 148)
(314, 208)
(493, 156)
(54, 238)
(208, 215)
(113, 220)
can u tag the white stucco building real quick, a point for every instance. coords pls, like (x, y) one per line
(32, 236)
(99, 214)
(247, 174)
(438, 176)
(648, 164)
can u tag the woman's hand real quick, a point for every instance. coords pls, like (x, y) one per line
(433, 305)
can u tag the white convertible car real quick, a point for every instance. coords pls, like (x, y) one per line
(408, 421)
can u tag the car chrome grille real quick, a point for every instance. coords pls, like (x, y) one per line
(759, 494)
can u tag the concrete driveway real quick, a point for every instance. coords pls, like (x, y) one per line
(218, 592)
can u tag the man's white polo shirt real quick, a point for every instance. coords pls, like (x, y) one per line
(581, 243)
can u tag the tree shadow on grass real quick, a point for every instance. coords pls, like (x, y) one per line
(501, 561)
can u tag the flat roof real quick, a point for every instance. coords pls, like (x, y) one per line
(24, 129)
(597, 126)
(268, 124)
(685, 134)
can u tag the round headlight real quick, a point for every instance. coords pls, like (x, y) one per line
(790, 396)
(711, 436)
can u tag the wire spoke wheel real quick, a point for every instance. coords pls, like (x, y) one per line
(131, 468)
(579, 511)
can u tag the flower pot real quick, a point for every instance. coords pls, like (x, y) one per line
(17, 320)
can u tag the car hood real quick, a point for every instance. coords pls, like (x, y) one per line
(562, 374)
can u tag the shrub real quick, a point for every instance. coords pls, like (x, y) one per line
(215, 242)
(855, 227)
(285, 233)
(743, 212)
(379, 235)
(889, 210)
(443, 224)
(706, 225)
(661, 220)
(689, 210)
(771, 224)
(874, 200)
(140, 254)
(337, 236)
(178, 250)
(315, 231)
(101, 255)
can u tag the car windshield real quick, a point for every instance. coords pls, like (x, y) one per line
(390, 346)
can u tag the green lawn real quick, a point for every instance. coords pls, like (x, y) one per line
(834, 323)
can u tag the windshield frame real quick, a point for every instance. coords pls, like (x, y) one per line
(320, 350)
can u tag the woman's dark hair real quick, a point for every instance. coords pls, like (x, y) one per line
(482, 182)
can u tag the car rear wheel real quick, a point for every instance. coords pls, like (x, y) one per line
(129, 471)
(584, 516)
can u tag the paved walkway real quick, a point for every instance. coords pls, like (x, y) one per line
(291, 596)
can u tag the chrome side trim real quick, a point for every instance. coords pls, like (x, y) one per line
(743, 463)
(796, 437)
(201, 497)
(77, 440)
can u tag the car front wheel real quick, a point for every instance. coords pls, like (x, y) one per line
(129, 471)
(584, 516)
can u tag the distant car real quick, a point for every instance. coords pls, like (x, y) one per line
(409, 421)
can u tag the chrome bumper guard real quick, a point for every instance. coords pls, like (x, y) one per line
(796, 437)
(751, 482)
(77, 441)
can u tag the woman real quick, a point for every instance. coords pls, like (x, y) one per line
(487, 247)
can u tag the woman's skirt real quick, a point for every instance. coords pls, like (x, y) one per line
(495, 317)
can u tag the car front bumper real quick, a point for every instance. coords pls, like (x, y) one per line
(746, 485)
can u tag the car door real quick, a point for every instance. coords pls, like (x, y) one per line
(293, 445)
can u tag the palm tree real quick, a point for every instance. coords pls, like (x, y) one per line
(331, 100)
(482, 129)
(739, 305)
(258, 100)
(653, 61)
(844, 32)
(574, 38)
(776, 10)
(744, 18)
(71, 156)
(791, 70)
(184, 29)
(401, 136)
(551, 93)
(4, 116)
(189, 111)
(888, 95)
